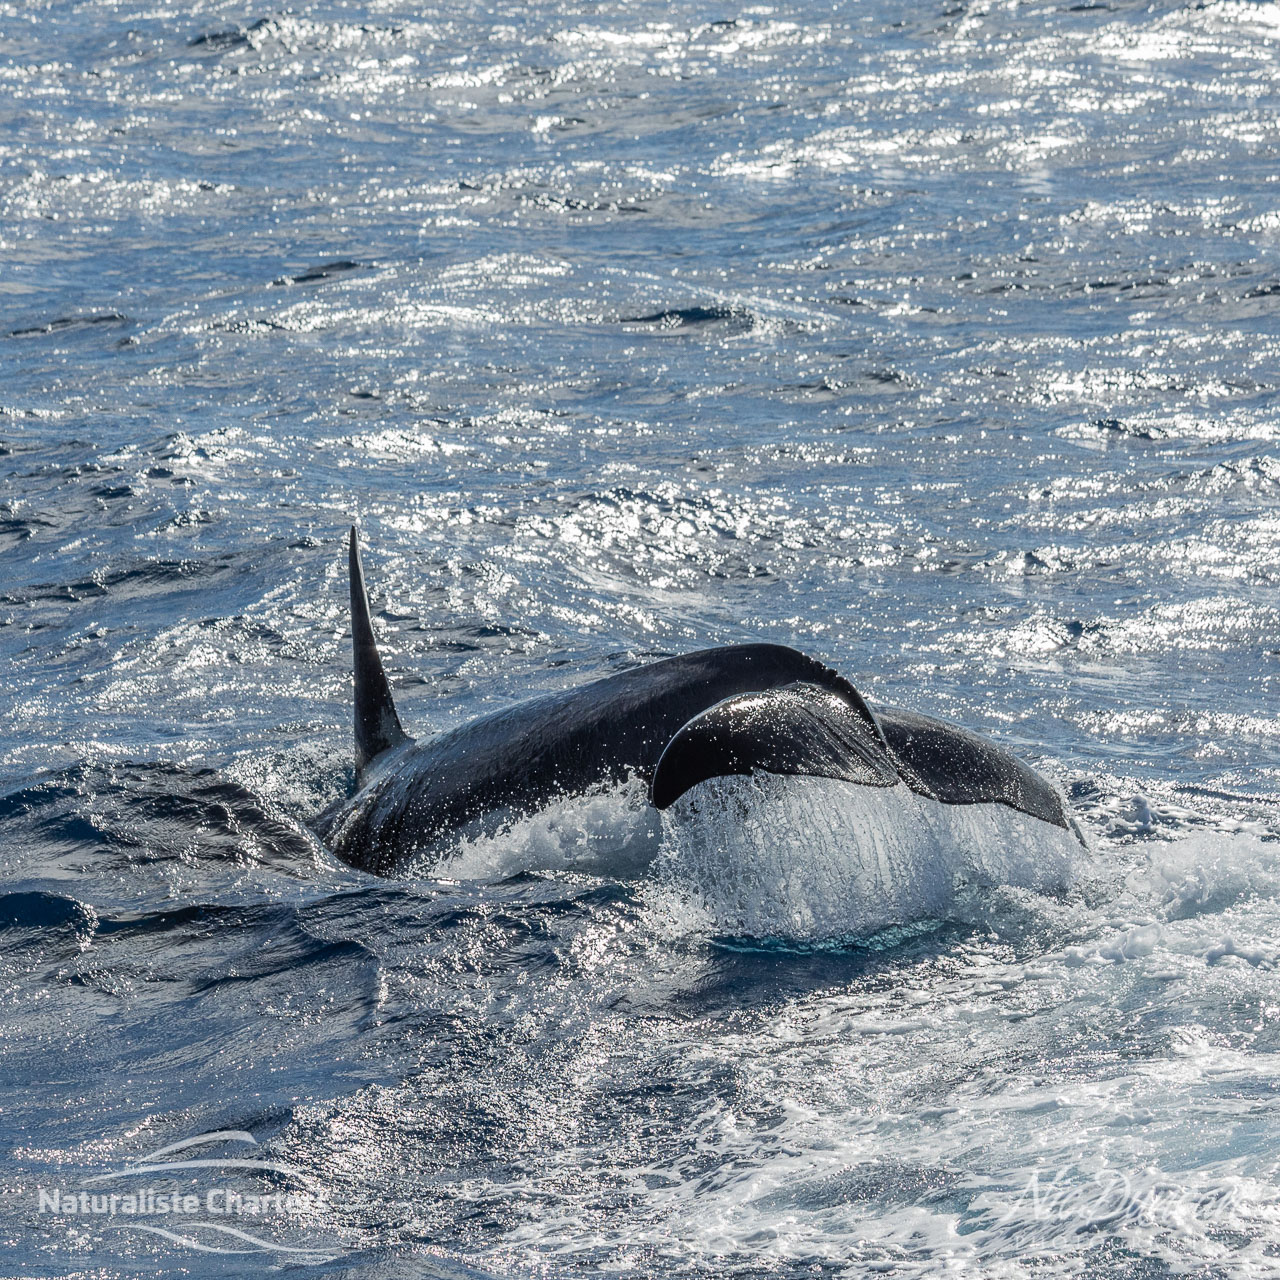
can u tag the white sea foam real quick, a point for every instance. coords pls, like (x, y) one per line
(612, 832)
(795, 858)
(814, 858)
(995, 1118)
(1206, 873)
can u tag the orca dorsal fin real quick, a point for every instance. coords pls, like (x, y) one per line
(378, 727)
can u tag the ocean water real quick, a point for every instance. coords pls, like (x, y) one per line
(940, 340)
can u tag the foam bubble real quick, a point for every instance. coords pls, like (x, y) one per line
(1207, 873)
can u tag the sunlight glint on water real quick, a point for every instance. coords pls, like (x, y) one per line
(937, 341)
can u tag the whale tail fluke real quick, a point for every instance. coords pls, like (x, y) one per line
(798, 729)
(378, 726)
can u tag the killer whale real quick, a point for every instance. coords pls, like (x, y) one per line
(675, 723)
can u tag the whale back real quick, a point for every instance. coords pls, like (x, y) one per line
(518, 759)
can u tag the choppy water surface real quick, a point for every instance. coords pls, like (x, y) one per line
(939, 340)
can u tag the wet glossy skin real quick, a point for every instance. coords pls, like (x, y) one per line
(418, 795)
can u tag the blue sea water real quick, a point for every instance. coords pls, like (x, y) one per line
(940, 340)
